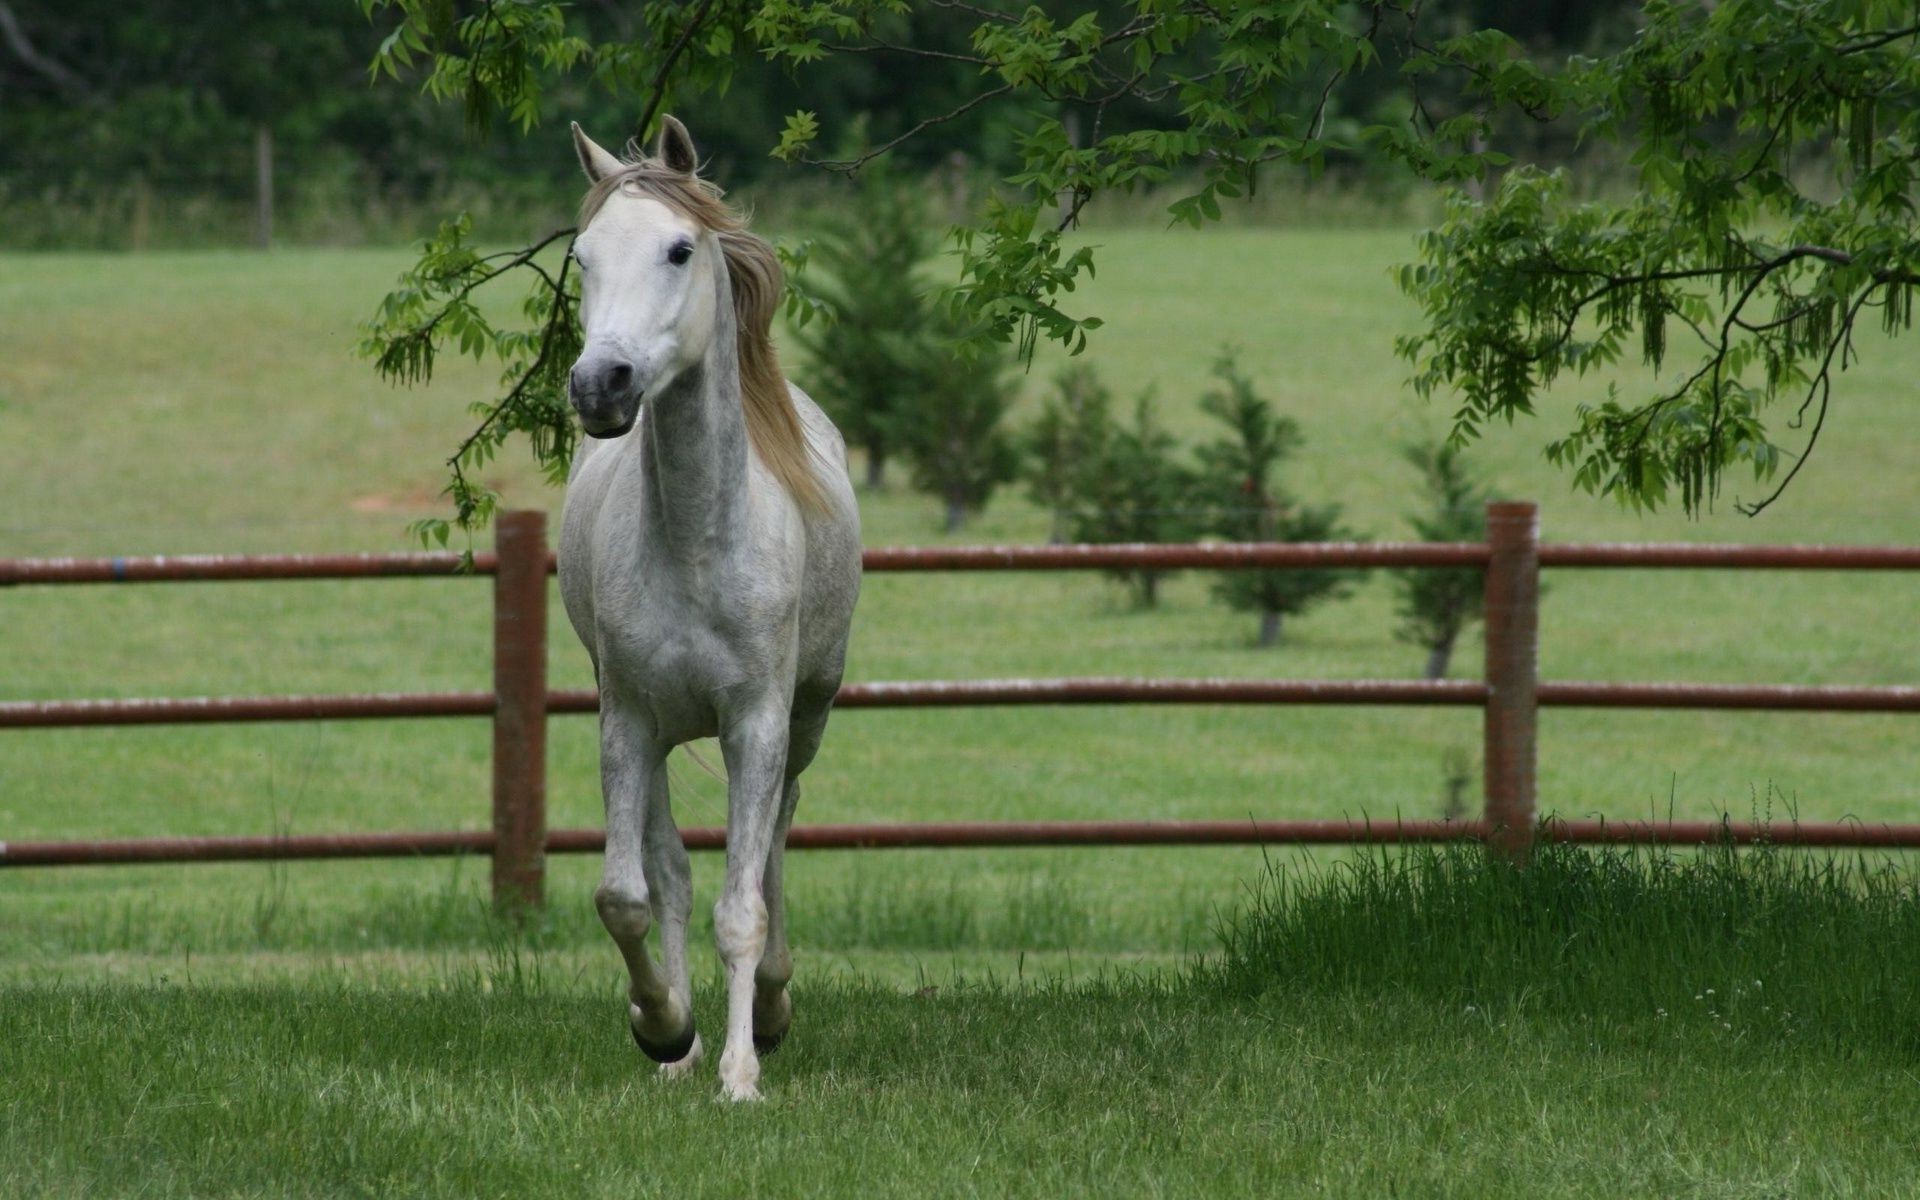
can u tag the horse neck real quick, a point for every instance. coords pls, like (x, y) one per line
(695, 439)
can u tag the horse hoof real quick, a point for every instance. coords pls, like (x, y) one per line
(766, 1043)
(665, 1052)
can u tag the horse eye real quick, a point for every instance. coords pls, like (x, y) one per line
(681, 252)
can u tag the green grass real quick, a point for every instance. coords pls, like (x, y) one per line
(1427, 1024)
(1767, 945)
(209, 402)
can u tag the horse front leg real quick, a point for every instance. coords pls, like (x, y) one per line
(755, 747)
(632, 767)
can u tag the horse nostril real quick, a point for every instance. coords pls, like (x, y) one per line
(619, 376)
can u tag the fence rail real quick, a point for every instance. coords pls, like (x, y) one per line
(1510, 695)
(187, 568)
(944, 835)
(990, 693)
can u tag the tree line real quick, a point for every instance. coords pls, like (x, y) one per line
(113, 106)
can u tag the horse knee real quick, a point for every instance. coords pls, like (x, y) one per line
(626, 911)
(740, 926)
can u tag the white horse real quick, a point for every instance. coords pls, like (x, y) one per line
(709, 559)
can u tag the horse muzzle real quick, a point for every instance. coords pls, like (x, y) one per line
(609, 420)
(603, 393)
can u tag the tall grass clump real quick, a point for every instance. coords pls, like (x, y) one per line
(1765, 942)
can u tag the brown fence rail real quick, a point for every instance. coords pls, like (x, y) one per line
(1510, 695)
(960, 834)
(989, 693)
(184, 568)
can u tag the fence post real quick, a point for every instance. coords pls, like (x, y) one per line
(520, 710)
(1513, 660)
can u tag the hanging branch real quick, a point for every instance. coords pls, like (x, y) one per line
(1722, 239)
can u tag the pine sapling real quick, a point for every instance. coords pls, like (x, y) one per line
(1436, 604)
(1244, 502)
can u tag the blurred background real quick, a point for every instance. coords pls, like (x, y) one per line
(177, 124)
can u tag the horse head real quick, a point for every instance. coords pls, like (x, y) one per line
(650, 266)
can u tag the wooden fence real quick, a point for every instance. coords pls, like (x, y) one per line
(1510, 695)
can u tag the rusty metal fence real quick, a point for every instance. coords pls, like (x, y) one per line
(1510, 695)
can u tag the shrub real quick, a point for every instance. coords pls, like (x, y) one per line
(1436, 604)
(1244, 502)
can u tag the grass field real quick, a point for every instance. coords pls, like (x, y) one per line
(208, 402)
(1437, 1028)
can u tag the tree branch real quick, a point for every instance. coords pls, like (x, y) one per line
(850, 165)
(1822, 387)
(24, 50)
(657, 90)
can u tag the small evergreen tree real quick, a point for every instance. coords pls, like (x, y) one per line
(1070, 438)
(868, 269)
(1245, 503)
(950, 427)
(1130, 486)
(1436, 604)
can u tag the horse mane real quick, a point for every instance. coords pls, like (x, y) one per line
(756, 280)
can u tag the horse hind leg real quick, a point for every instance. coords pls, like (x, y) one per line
(772, 1005)
(672, 878)
(631, 769)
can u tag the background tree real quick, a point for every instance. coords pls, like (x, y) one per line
(1120, 480)
(1245, 502)
(950, 425)
(1068, 439)
(868, 268)
(1435, 604)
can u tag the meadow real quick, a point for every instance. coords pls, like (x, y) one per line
(209, 402)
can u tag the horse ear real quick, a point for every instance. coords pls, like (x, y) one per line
(675, 147)
(597, 163)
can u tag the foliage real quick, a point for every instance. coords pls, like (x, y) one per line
(1727, 239)
(1193, 92)
(1066, 441)
(1244, 502)
(433, 309)
(1759, 252)
(949, 424)
(1108, 481)
(1435, 604)
(868, 271)
(888, 363)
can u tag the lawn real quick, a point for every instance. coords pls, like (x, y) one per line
(1508, 1063)
(210, 402)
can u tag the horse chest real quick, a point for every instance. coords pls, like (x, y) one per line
(682, 658)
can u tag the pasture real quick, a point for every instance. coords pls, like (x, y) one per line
(969, 1022)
